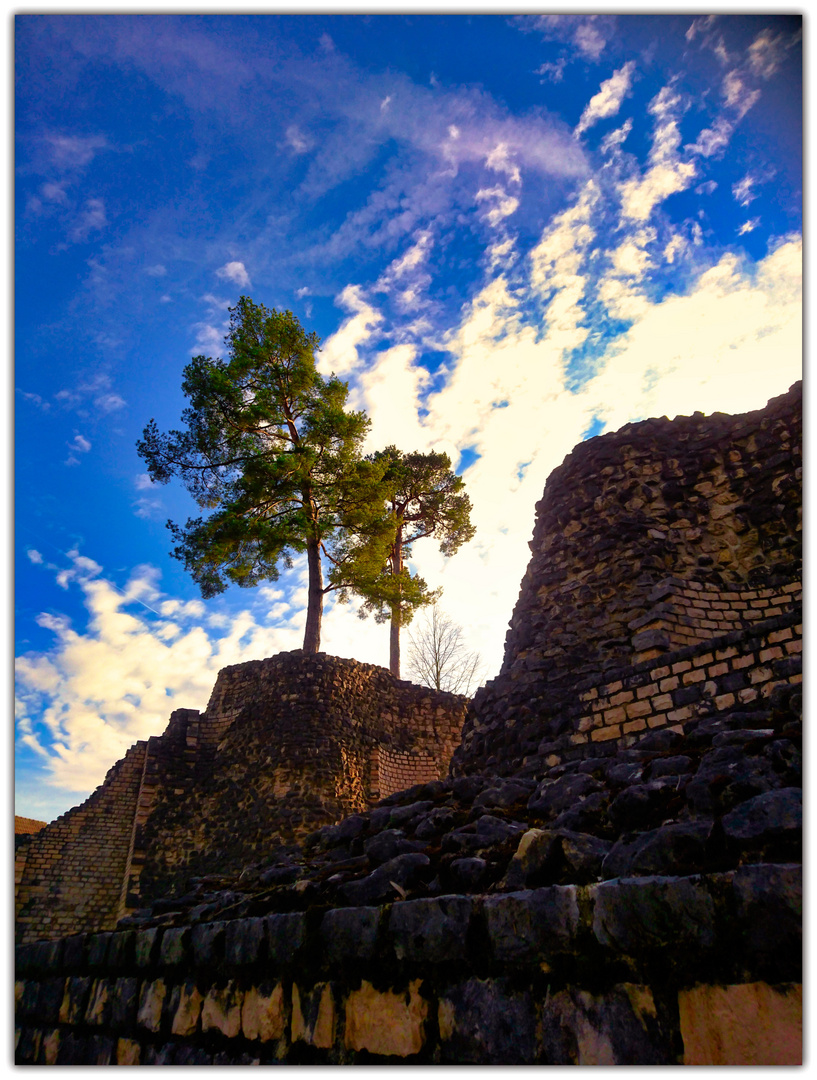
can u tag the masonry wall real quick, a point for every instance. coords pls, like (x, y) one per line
(286, 745)
(74, 868)
(654, 537)
(304, 742)
(652, 971)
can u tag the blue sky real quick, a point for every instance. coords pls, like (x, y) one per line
(509, 232)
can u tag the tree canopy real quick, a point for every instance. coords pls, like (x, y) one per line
(271, 450)
(424, 499)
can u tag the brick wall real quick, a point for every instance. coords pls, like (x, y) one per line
(686, 612)
(73, 873)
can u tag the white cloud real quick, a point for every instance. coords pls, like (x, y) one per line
(92, 219)
(616, 138)
(552, 71)
(297, 140)
(736, 93)
(712, 140)
(743, 190)
(236, 272)
(73, 151)
(339, 353)
(748, 226)
(588, 34)
(668, 173)
(767, 52)
(158, 270)
(608, 100)
(34, 555)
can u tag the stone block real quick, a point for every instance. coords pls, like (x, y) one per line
(49, 1048)
(244, 941)
(743, 1024)
(486, 1022)
(75, 999)
(768, 902)
(430, 931)
(622, 1026)
(185, 1008)
(49, 1000)
(207, 941)
(151, 1003)
(221, 1010)
(124, 1003)
(263, 1016)
(146, 947)
(637, 916)
(175, 946)
(97, 951)
(98, 1011)
(285, 936)
(350, 933)
(128, 1052)
(314, 1017)
(387, 1023)
(532, 926)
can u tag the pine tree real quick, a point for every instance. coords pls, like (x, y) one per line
(270, 448)
(425, 499)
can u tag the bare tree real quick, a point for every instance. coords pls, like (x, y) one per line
(439, 657)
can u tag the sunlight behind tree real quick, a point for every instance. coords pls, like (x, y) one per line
(439, 657)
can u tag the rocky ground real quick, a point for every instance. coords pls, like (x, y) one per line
(724, 794)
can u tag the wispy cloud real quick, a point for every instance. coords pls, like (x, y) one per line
(91, 219)
(608, 100)
(587, 34)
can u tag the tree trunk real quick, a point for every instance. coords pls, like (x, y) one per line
(314, 609)
(394, 634)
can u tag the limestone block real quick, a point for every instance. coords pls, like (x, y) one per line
(486, 1022)
(619, 1027)
(49, 1048)
(431, 931)
(175, 946)
(314, 1016)
(262, 1013)
(387, 1023)
(128, 1052)
(745, 1024)
(285, 935)
(151, 1001)
(244, 941)
(639, 915)
(186, 1008)
(534, 925)
(98, 1010)
(124, 1002)
(350, 933)
(74, 1000)
(221, 1010)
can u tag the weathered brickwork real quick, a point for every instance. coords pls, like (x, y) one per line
(662, 971)
(638, 536)
(74, 868)
(686, 613)
(286, 745)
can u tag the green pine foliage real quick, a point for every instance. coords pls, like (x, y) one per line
(271, 450)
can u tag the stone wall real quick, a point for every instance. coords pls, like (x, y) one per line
(657, 971)
(644, 538)
(74, 868)
(609, 873)
(286, 745)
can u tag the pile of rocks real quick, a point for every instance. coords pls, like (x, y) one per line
(724, 794)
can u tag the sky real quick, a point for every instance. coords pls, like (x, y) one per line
(511, 233)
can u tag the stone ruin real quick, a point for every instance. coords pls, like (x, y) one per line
(609, 872)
